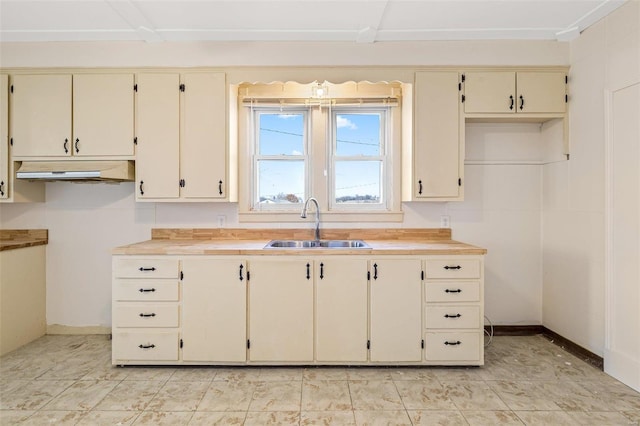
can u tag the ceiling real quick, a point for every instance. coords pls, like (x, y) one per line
(358, 21)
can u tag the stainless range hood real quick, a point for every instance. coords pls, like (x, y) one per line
(77, 171)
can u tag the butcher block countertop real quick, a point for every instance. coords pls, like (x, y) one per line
(11, 239)
(228, 241)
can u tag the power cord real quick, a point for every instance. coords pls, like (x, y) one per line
(489, 332)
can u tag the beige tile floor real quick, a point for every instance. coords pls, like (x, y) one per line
(69, 380)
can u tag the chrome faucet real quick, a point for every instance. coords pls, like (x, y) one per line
(304, 216)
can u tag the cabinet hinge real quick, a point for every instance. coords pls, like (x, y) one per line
(11, 141)
(566, 79)
(181, 183)
(463, 78)
(135, 140)
(181, 275)
(368, 344)
(459, 181)
(135, 87)
(422, 275)
(459, 87)
(181, 343)
(368, 275)
(248, 275)
(182, 87)
(248, 344)
(422, 344)
(12, 88)
(566, 99)
(463, 97)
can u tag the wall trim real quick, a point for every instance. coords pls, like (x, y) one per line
(566, 344)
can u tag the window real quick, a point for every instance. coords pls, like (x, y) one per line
(280, 163)
(342, 150)
(358, 158)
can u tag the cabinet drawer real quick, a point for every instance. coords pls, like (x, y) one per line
(146, 290)
(138, 267)
(146, 315)
(453, 268)
(452, 291)
(459, 346)
(452, 317)
(153, 346)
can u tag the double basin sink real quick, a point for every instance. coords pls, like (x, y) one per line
(325, 244)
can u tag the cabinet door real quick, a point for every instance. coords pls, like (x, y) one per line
(281, 310)
(4, 136)
(341, 310)
(102, 114)
(437, 144)
(541, 92)
(490, 92)
(41, 115)
(214, 301)
(396, 303)
(203, 152)
(158, 132)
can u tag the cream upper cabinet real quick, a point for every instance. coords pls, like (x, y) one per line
(103, 114)
(4, 137)
(214, 310)
(522, 92)
(281, 310)
(60, 115)
(41, 115)
(158, 135)
(438, 138)
(203, 150)
(181, 134)
(395, 310)
(341, 309)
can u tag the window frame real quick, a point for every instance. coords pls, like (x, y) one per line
(383, 158)
(256, 157)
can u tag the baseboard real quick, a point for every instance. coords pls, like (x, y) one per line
(574, 349)
(68, 329)
(532, 330)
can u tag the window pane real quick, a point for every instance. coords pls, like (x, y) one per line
(358, 182)
(280, 181)
(358, 134)
(281, 134)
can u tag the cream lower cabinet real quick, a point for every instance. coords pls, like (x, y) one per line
(281, 310)
(274, 310)
(454, 310)
(341, 309)
(395, 310)
(214, 310)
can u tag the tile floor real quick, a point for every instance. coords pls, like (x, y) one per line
(69, 380)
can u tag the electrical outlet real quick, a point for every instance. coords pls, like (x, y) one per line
(222, 220)
(445, 221)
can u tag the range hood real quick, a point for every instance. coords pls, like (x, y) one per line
(77, 171)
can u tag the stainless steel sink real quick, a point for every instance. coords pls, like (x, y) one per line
(333, 244)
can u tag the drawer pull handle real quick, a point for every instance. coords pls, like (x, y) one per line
(452, 316)
(147, 290)
(453, 291)
(453, 267)
(151, 346)
(141, 269)
(457, 342)
(147, 315)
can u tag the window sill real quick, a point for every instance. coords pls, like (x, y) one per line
(291, 217)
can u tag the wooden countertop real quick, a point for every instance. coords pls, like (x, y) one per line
(11, 239)
(252, 242)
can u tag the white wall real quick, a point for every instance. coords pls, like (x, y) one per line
(606, 56)
(503, 186)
